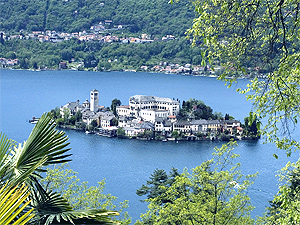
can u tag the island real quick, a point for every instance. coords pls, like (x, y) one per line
(153, 118)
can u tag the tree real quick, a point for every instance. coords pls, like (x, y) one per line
(258, 38)
(78, 116)
(80, 125)
(157, 179)
(114, 103)
(94, 123)
(121, 132)
(252, 127)
(24, 63)
(66, 114)
(72, 120)
(90, 128)
(197, 109)
(90, 61)
(24, 163)
(114, 122)
(34, 65)
(67, 54)
(11, 55)
(82, 196)
(226, 116)
(1, 38)
(56, 113)
(175, 134)
(284, 208)
(60, 121)
(214, 193)
(104, 65)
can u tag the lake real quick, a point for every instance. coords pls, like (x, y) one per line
(127, 164)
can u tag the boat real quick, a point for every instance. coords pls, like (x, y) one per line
(34, 120)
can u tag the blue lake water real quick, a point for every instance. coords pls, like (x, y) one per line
(127, 164)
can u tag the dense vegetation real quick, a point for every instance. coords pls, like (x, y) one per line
(267, 34)
(214, 193)
(115, 56)
(196, 109)
(155, 17)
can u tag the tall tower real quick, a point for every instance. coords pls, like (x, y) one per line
(94, 100)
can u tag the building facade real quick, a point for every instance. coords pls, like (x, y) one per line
(140, 102)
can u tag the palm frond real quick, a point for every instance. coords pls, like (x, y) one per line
(45, 144)
(5, 145)
(12, 203)
(52, 208)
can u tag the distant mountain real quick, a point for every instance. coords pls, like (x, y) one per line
(155, 17)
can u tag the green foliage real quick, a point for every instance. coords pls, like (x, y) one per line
(67, 54)
(148, 134)
(90, 61)
(156, 17)
(121, 132)
(90, 128)
(175, 134)
(196, 109)
(284, 208)
(72, 120)
(259, 36)
(94, 123)
(251, 126)
(60, 121)
(55, 113)
(157, 179)
(114, 122)
(114, 56)
(214, 193)
(82, 196)
(227, 117)
(10, 55)
(78, 116)
(114, 103)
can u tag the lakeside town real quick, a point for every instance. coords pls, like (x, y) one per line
(147, 118)
(97, 34)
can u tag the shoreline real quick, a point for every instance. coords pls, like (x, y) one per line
(132, 71)
(191, 138)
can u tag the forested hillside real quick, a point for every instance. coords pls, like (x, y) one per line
(156, 17)
(97, 35)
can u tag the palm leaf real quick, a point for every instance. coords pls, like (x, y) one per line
(5, 145)
(12, 204)
(52, 208)
(45, 144)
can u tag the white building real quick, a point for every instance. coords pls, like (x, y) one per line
(153, 114)
(123, 110)
(163, 125)
(140, 102)
(194, 126)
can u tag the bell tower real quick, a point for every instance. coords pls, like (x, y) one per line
(94, 100)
